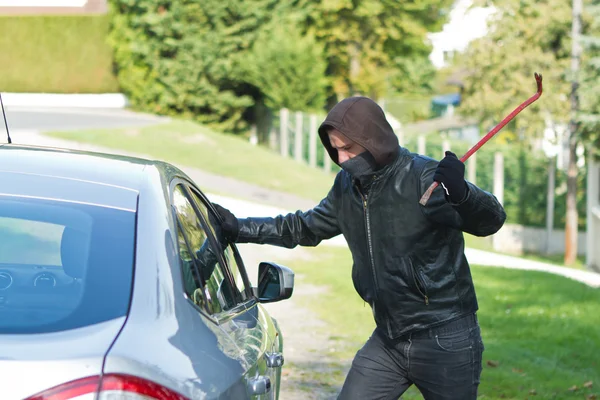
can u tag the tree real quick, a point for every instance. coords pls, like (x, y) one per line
(414, 75)
(368, 42)
(178, 57)
(529, 36)
(288, 68)
(525, 37)
(574, 127)
(589, 113)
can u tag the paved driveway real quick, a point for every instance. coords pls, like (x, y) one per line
(59, 119)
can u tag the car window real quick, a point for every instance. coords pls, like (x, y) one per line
(205, 281)
(230, 254)
(232, 258)
(63, 265)
(24, 241)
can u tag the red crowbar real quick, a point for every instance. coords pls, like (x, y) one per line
(538, 79)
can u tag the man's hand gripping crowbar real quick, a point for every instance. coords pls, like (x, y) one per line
(538, 78)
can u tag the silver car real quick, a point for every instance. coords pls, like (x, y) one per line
(116, 283)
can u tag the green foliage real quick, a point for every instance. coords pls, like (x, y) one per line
(525, 180)
(589, 89)
(226, 62)
(368, 42)
(414, 75)
(287, 67)
(527, 36)
(180, 57)
(56, 54)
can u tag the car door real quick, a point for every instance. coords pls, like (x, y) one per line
(259, 337)
(220, 288)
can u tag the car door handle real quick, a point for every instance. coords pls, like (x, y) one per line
(259, 385)
(274, 360)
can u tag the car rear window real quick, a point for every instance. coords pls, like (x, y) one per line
(63, 265)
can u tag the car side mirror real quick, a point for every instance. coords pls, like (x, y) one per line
(275, 282)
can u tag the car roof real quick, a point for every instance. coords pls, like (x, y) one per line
(75, 175)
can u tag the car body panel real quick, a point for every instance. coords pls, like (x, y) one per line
(101, 168)
(33, 363)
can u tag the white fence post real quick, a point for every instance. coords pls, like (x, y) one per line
(421, 144)
(326, 162)
(499, 177)
(273, 139)
(283, 132)
(445, 147)
(550, 202)
(312, 141)
(298, 151)
(472, 169)
(400, 134)
(593, 215)
(253, 135)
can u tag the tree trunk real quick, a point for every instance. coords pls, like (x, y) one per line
(550, 202)
(354, 67)
(572, 217)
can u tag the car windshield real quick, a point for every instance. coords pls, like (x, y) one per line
(63, 265)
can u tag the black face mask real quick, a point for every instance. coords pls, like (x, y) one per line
(360, 166)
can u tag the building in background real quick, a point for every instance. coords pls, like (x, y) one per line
(45, 7)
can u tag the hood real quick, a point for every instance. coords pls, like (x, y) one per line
(361, 120)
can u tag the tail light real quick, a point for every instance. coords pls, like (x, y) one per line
(111, 386)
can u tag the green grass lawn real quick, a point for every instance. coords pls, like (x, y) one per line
(193, 145)
(541, 331)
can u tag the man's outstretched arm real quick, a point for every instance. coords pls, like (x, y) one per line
(307, 228)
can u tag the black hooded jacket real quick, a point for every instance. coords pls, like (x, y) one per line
(409, 261)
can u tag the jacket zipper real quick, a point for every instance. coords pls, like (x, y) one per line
(368, 224)
(372, 259)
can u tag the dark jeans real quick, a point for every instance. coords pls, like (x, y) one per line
(444, 363)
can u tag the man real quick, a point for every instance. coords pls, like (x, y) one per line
(409, 261)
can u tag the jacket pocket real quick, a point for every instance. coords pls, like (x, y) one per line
(361, 284)
(419, 281)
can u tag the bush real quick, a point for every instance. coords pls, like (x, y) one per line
(180, 57)
(287, 67)
(56, 54)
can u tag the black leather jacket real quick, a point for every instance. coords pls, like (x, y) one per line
(409, 261)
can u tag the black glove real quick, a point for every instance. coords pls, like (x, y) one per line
(450, 174)
(229, 226)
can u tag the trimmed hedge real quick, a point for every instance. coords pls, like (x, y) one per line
(182, 57)
(56, 54)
